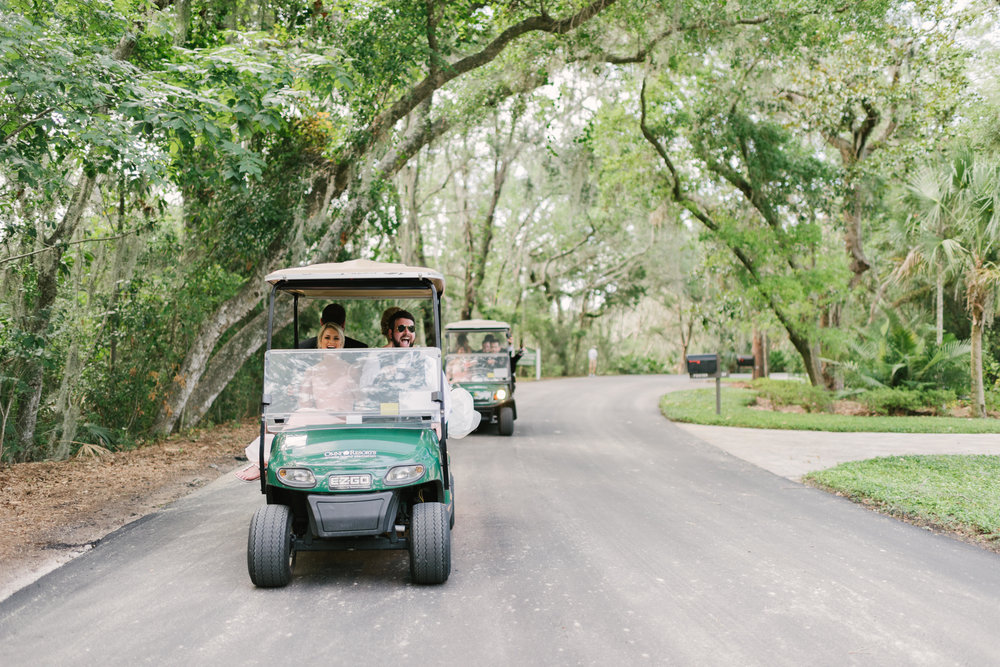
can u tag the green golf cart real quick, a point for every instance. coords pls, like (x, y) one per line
(478, 360)
(353, 442)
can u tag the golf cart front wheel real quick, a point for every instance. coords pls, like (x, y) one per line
(430, 544)
(506, 422)
(269, 546)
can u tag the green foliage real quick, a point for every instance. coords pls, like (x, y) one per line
(631, 364)
(899, 401)
(133, 366)
(955, 492)
(698, 407)
(781, 361)
(63, 102)
(95, 435)
(235, 148)
(791, 392)
(895, 353)
(240, 399)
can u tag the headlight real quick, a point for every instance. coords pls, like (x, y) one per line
(500, 394)
(404, 474)
(296, 477)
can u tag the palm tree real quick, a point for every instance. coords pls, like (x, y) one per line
(931, 194)
(957, 233)
(980, 238)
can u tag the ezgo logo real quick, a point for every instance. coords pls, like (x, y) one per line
(350, 481)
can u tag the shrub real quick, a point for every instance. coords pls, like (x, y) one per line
(993, 400)
(897, 401)
(631, 364)
(896, 353)
(777, 361)
(792, 392)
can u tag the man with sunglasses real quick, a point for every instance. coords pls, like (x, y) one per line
(402, 332)
(402, 329)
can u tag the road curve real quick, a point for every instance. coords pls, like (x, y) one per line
(599, 532)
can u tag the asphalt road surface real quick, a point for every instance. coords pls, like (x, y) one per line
(598, 533)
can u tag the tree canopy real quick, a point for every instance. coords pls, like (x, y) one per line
(639, 175)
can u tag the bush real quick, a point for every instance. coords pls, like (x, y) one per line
(779, 361)
(899, 354)
(631, 364)
(792, 392)
(993, 400)
(898, 402)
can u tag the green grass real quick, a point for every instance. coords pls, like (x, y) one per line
(697, 406)
(957, 493)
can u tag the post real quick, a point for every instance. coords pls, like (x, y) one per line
(538, 363)
(709, 365)
(718, 394)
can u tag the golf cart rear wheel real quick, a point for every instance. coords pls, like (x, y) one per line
(430, 544)
(506, 423)
(269, 547)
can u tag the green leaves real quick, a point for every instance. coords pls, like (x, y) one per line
(896, 353)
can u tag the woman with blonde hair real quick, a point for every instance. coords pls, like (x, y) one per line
(331, 337)
(326, 386)
(329, 385)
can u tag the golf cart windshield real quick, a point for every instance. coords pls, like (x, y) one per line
(477, 353)
(477, 367)
(323, 388)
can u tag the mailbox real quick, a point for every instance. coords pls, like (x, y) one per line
(744, 360)
(703, 364)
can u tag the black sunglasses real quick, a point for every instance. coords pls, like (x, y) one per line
(402, 327)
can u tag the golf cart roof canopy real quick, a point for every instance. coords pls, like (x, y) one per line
(476, 325)
(359, 278)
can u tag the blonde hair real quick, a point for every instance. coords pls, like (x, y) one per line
(336, 327)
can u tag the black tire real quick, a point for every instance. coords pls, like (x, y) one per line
(269, 547)
(505, 425)
(430, 544)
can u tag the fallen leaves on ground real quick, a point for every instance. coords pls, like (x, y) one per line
(53, 505)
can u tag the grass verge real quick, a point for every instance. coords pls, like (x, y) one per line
(955, 493)
(697, 406)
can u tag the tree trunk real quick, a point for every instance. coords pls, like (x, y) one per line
(758, 354)
(767, 361)
(189, 374)
(686, 332)
(182, 21)
(411, 240)
(47, 271)
(853, 241)
(978, 391)
(232, 355)
(938, 307)
(809, 358)
(59, 440)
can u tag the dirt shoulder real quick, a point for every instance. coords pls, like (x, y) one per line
(53, 511)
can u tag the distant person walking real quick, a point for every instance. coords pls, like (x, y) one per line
(592, 357)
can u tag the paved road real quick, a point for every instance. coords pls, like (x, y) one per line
(598, 533)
